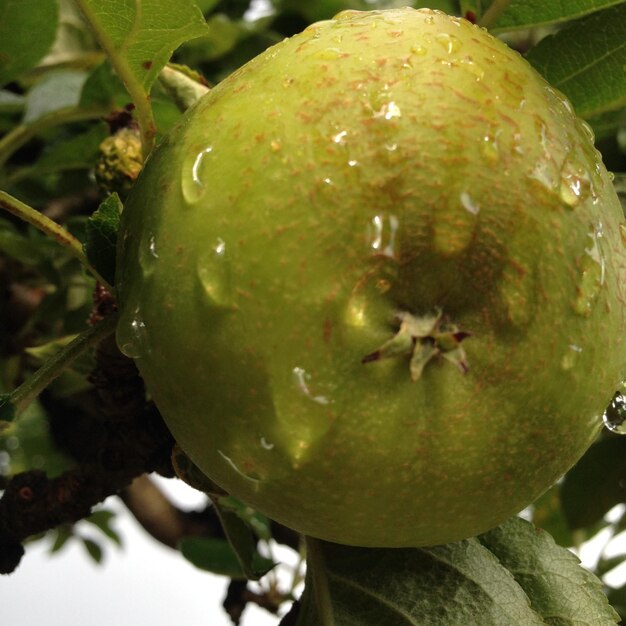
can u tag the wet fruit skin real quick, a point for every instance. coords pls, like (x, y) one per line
(376, 165)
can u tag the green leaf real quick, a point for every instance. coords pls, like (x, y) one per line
(62, 534)
(143, 35)
(478, 581)
(243, 541)
(101, 236)
(561, 591)
(586, 61)
(7, 408)
(77, 152)
(93, 549)
(27, 31)
(102, 520)
(533, 13)
(103, 88)
(212, 555)
(596, 483)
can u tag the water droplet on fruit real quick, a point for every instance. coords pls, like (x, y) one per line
(489, 148)
(302, 380)
(213, 271)
(448, 42)
(249, 477)
(418, 50)
(588, 131)
(148, 255)
(384, 229)
(193, 179)
(469, 64)
(570, 357)
(265, 444)
(575, 185)
(544, 173)
(517, 293)
(468, 203)
(615, 415)
(592, 267)
(340, 138)
(328, 54)
(388, 111)
(132, 336)
(454, 228)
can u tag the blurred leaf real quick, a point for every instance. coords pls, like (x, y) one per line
(511, 576)
(606, 564)
(259, 524)
(79, 151)
(30, 446)
(101, 236)
(559, 589)
(27, 31)
(7, 408)
(57, 90)
(586, 61)
(103, 88)
(243, 541)
(596, 483)
(143, 36)
(548, 515)
(74, 42)
(93, 549)
(212, 555)
(102, 520)
(533, 13)
(62, 534)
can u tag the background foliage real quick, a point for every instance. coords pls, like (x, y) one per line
(95, 68)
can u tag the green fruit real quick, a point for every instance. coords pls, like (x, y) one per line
(375, 281)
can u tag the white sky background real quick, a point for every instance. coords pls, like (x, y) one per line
(142, 583)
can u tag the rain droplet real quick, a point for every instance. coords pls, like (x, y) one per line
(575, 184)
(193, 180)
(468, 203)
(253, 479)
(615, 415)
(384, 229)
(448, 42)
(265, 444)
(592, 278)
(213, 271)
(388, 111)
(517, 293)
(148, 255)
(418, 50)
(570, 357)
(132, 336)
(302, 379)
(340, 138)
(469, 64)
(454, 228)
(329, 54)
(489, 147)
